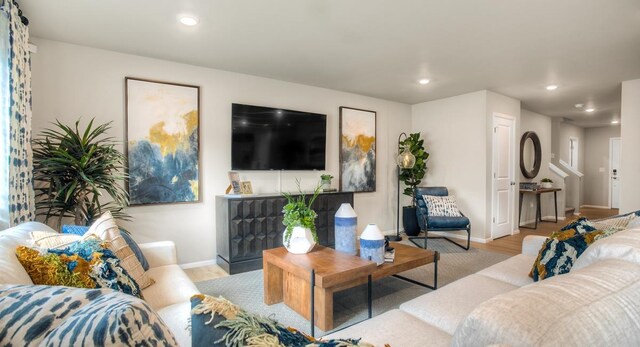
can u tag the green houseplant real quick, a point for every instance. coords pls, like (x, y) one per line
(412, 178)
(300, 221)
(325, 180)
(75, 170)
(546, 183)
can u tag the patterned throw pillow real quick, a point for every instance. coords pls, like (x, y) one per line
(442, 206)
(52, 239)
(106, 229)
(581, 225)
(219, 322)
(83, 264)
(61, 316)
(81, 230)
(619, 223)
(559, 253)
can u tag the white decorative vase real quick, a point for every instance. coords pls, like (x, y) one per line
(372, 244)
(301, 241)
(346, 222)
(326, 184)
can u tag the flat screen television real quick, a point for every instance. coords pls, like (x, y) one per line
(265, 138)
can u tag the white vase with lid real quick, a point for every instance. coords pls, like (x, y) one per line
(372, 244)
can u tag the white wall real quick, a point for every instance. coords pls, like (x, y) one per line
(457, 133)
(561, 132)
(454, 133)
(541, 125)
(630, 128)
(596, 165)
(72, 81)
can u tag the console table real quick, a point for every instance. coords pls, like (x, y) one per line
(537, 193)
(247, 225)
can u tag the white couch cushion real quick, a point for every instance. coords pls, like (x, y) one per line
(596, 306)
(12, 271)
(177, 317)
(172, 286)
(446, 307)
(623, 245)
(514, 270)
(395, 328)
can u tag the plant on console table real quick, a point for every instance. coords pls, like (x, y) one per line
(75, 170)
(300, 221)
(412, 178)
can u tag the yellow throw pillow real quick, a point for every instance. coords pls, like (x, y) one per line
(106, 229)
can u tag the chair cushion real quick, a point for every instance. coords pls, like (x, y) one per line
(63, 316)
(396, 328)
(447, 222)
(445, 308)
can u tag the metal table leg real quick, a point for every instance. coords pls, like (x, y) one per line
(435, 275)
(369, 296)
(313, 301)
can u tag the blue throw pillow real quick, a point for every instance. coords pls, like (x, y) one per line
(80, 230)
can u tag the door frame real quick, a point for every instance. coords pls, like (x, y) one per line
(512, 159)
(611, 166)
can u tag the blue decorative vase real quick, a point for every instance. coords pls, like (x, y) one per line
(346, 222)
(372, 244)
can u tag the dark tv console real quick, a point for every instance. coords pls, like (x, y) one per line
(247, 225)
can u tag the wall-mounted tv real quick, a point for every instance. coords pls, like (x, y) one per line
(265, 138)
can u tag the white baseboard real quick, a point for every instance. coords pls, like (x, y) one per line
(596, 206)
(198, 264)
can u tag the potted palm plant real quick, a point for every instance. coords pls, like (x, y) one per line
(75, 170)
(300, 234)
(412, 178)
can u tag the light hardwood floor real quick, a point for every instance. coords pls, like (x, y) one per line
(508, 245)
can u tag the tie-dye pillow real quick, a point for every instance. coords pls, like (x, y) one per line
(61, 316)
(581, 225)
(83, 264)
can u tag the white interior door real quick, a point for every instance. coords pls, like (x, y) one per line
(503, 175)
(614, 172)
(573, 152)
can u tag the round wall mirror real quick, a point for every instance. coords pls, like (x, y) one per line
(530, 154)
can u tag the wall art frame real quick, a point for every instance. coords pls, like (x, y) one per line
(162, 142)
(357, 144)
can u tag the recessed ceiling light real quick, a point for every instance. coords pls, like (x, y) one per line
(615, 121)
(424, 81)
(188, 20)
(552, 87)
(578, 105)
(589, 110)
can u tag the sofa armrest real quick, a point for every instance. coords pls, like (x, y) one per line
(532, 243)
(159, 253)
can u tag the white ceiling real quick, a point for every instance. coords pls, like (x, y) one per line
(380, 47)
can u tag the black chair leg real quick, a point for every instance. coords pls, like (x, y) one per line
(426, 237)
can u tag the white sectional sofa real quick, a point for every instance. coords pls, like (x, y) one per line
(596, 304)
(169, 296)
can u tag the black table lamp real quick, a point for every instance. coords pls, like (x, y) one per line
(405, 160)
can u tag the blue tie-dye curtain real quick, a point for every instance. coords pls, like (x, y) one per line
(17, 183)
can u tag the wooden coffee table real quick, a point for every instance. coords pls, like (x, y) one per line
(297, 278)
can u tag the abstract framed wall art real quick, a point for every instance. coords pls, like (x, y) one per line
(357, 150)
(162, 142)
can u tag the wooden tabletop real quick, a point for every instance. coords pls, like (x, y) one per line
(332, 267)
(540, 191)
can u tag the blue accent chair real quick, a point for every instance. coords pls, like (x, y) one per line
(437, 223)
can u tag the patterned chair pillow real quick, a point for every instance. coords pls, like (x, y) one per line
(442, 206)
(83, 264)
(620, 223)
(32, 315)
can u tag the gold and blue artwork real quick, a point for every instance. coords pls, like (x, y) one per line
(162, 142)
(357, 150)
